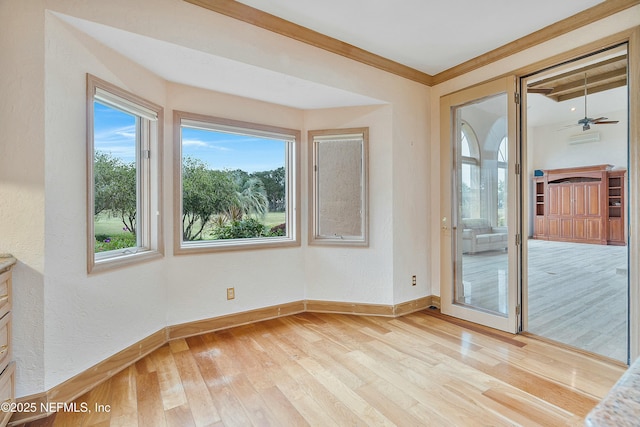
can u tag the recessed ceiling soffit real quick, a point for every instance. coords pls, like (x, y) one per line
(601, 76)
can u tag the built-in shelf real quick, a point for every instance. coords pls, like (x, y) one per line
(615, 206)
(540, 198)
(584, 204)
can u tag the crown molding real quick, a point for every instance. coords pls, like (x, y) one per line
(286, 28)
(581, 19)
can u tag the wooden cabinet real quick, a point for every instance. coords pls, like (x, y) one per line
(7, 367)
(7, 390)
(580, 205)
(616, 208)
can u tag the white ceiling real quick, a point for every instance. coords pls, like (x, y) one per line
(191, 67)
(428, 35)
(424, 34)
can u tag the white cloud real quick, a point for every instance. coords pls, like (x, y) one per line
(197, 143)
(194, 143)
(121, 135)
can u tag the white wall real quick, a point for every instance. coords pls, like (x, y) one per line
(22, 177)
(66, 321)
(550, 146)
(411, 192)
(357, 274)
(86, 317)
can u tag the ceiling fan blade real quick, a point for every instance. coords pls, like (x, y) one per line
(605, 122)
(568, 126)
(541, 90)
(598, 119)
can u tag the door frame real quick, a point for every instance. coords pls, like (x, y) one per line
(634, 190)
(632, 38)
(510, 322)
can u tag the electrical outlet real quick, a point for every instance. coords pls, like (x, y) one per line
(413, 280)
(231, 293)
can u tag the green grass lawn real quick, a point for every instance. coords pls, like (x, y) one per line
(274, 218)
(106, 224)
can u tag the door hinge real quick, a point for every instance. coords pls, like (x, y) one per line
(516, 97)
(518, 239)
(517, 168)
(146, 154)
(518, 309)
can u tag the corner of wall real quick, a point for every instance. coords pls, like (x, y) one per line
(22, 194)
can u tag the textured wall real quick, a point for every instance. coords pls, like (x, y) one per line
(22, 179)
(65, 320)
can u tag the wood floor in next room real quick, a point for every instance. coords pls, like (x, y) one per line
(338, 370)
(577, 292)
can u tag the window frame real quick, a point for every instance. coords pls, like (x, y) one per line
(315, 238)
(292, 197)
(149, 138)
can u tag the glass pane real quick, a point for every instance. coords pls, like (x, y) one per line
(470, 190)
(115, 179)
(481, 193)
(233, 186)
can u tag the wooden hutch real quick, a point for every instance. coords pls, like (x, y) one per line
(584, 204)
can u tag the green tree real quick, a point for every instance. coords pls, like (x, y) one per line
(115, 188)
(251, 197)
(205, 192)
(274, 185)
(238, 176)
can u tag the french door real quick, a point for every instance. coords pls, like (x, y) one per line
(479, 229)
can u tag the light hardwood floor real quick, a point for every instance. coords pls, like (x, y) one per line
(422, 369)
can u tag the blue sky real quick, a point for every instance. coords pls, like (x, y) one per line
(230, 151)
(114, 133)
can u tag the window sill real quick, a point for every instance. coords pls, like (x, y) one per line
(332, 241)
(233, 245)
(120, 261)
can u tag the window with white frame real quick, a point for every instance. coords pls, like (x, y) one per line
(124, 161)
(236, 185)
(338, 193)
(470, 153)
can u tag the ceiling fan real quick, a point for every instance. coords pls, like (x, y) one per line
(587, 121)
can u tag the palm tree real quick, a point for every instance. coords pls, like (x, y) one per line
(252, 197)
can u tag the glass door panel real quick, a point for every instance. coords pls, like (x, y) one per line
(482, 232)
(478, 224)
